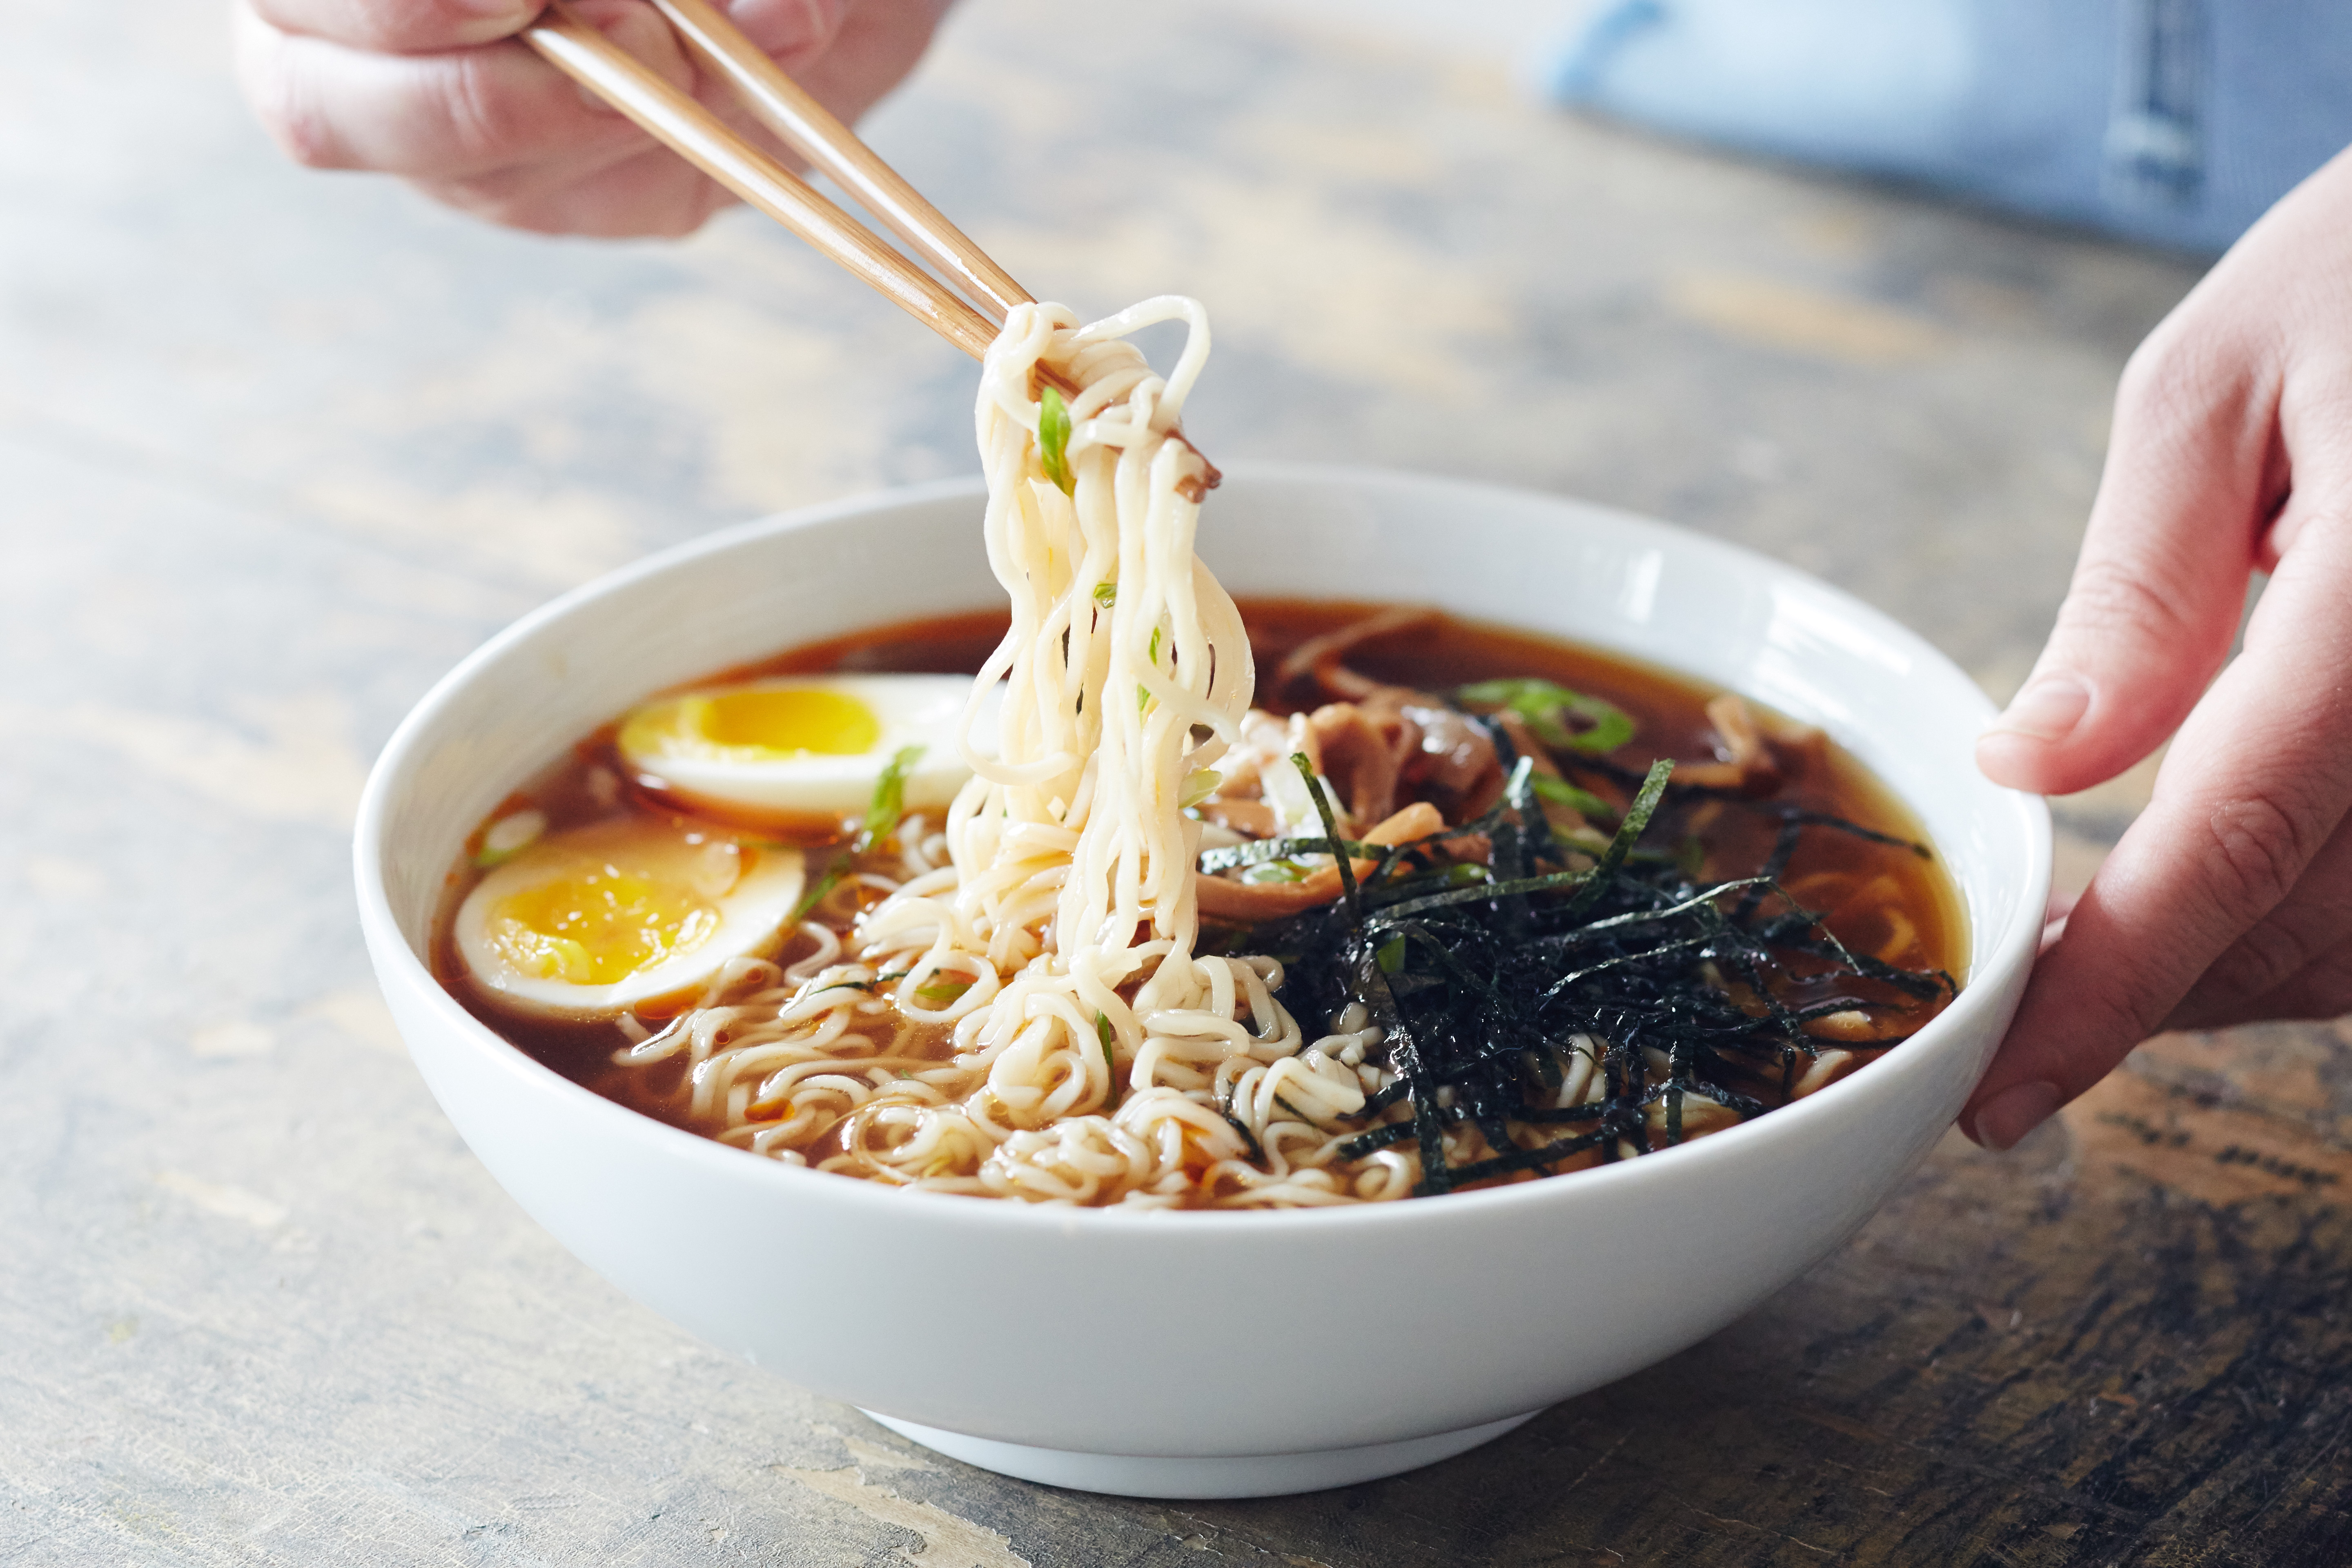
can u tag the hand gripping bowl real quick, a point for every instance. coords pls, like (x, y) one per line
(1204, 1354)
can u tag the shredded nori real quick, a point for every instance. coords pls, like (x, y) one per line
(1484, 991)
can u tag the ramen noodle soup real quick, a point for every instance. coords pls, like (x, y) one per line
(1130, 894)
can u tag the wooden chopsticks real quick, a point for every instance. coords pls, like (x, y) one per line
(810, 129)
(704, 140)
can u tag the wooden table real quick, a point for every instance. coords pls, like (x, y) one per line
(277, 448)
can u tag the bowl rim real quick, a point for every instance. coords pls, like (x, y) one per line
(1993, 956)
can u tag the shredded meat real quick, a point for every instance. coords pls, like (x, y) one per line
(1251, 902)
(1363, 750)
(1193, 487)
(1397, 744)
(1380, 744)
(1565, 818)
(1323, 658)
(1754, 763)
(1251, 818)
(1456, 761)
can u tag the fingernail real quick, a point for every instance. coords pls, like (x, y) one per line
(2015, 1112)
(2048, 708)
(471, 22)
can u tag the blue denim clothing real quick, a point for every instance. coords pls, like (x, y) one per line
(2175, 121)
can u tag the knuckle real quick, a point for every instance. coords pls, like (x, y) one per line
(278, 89)
(2259, 843)
(2155, 377)
(2183, 374)
(296, 121)
(2108, 595)
(483, 123)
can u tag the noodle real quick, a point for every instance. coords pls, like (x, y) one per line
(1097, 1055)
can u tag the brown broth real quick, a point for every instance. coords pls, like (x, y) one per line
(1669, 712)
(1864, 889)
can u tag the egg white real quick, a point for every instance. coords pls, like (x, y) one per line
(751, 888)
(808, 787)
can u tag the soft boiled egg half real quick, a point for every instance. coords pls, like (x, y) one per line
(628, 913)
(805, 752)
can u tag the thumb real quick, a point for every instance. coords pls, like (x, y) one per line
(2160, 583)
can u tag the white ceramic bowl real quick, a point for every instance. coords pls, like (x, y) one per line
(1204, 1354)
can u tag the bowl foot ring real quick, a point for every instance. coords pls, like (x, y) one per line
(1221, 1476)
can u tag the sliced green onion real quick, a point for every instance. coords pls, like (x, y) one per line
(1106, 594)
(1053, 440)
(1275, 871)
(890, 802)
(1560, 792)
(1142, 694)
(883, 813)
(866, 986)
(509, 837)
(1199, 786)
(1111, 1057)
(1390, 956)
(871, 987)
(1541, 702)
(819, 889)
(942, 992)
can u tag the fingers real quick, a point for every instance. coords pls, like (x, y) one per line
(785, 28)
(2197, 467)
(409, 88)
(465, 113)
(2294, 957)
(399, 25)
(441, 116)
(2230, 898)
(2161, 581)
(2258, 781)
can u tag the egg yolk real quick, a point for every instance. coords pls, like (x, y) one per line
(599, 927)
(787, 721)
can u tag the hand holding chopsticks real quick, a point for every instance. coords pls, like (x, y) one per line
(968, 319)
